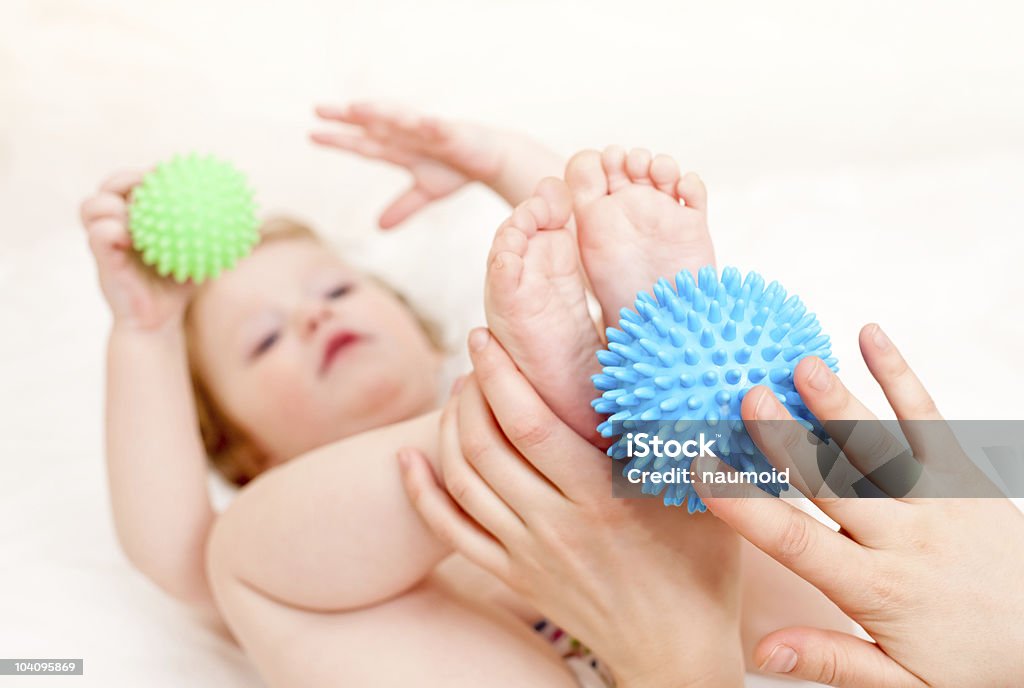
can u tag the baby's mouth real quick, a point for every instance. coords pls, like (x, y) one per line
(337, 343)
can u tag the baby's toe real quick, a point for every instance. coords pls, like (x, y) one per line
(665, 174)
(586, 177)
(693, 192)
(508, 239)
(638, 166)
(540, 213)
(613, 160)
(524, 219)
(556, 194)
(503, 276)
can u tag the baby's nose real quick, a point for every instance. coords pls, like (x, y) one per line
(314, 317)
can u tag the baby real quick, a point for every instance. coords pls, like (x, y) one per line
(304, 376)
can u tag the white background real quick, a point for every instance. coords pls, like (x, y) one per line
(868, 155)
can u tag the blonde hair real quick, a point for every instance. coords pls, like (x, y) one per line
(231, 451)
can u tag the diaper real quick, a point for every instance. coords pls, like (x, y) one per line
(588, 669)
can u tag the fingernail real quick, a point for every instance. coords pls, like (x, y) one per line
(766, 408)
(782, 660)
(702, 464)
(821, 377)
(879, 338)
(457, 385)
(478, 339)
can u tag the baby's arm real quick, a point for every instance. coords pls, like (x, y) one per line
(155, 459)
(441, 155)
(333, 530)
(524, 163)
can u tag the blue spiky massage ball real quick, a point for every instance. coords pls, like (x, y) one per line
(683, 360)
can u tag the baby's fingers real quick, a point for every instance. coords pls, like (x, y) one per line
(361, 145)
(336, 113)
(367, 115)
(361, 114)
(398, 125)
(121, 183)
(380, 115)
(434, 130)
(109, 241)
(410, 201)
(105, 204)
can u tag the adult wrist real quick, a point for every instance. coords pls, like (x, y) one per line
(710, 659)
(720, 675)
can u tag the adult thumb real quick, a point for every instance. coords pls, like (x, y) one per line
(832, 658)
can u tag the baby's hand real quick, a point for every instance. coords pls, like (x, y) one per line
(442, 156)
(137, 297)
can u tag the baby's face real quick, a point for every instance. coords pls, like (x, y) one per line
(301, 350)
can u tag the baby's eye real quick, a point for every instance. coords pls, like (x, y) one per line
(339, 291)
(266, 344)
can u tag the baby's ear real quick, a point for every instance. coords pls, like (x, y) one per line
(230, 451)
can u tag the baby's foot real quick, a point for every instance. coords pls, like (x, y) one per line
(536, 304)
(631, 225)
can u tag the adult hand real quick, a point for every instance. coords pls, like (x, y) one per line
(935, 582)
(652, 591)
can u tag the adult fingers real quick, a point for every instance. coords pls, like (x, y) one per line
(787, 444)
(887, 464)
(569, 462)
(485, 447)
(445, 519)
(933, 441)
(832, 658)
(827, 560)
(902, 388)
(466, 486)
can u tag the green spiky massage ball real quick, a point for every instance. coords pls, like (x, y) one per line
(193, 217)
